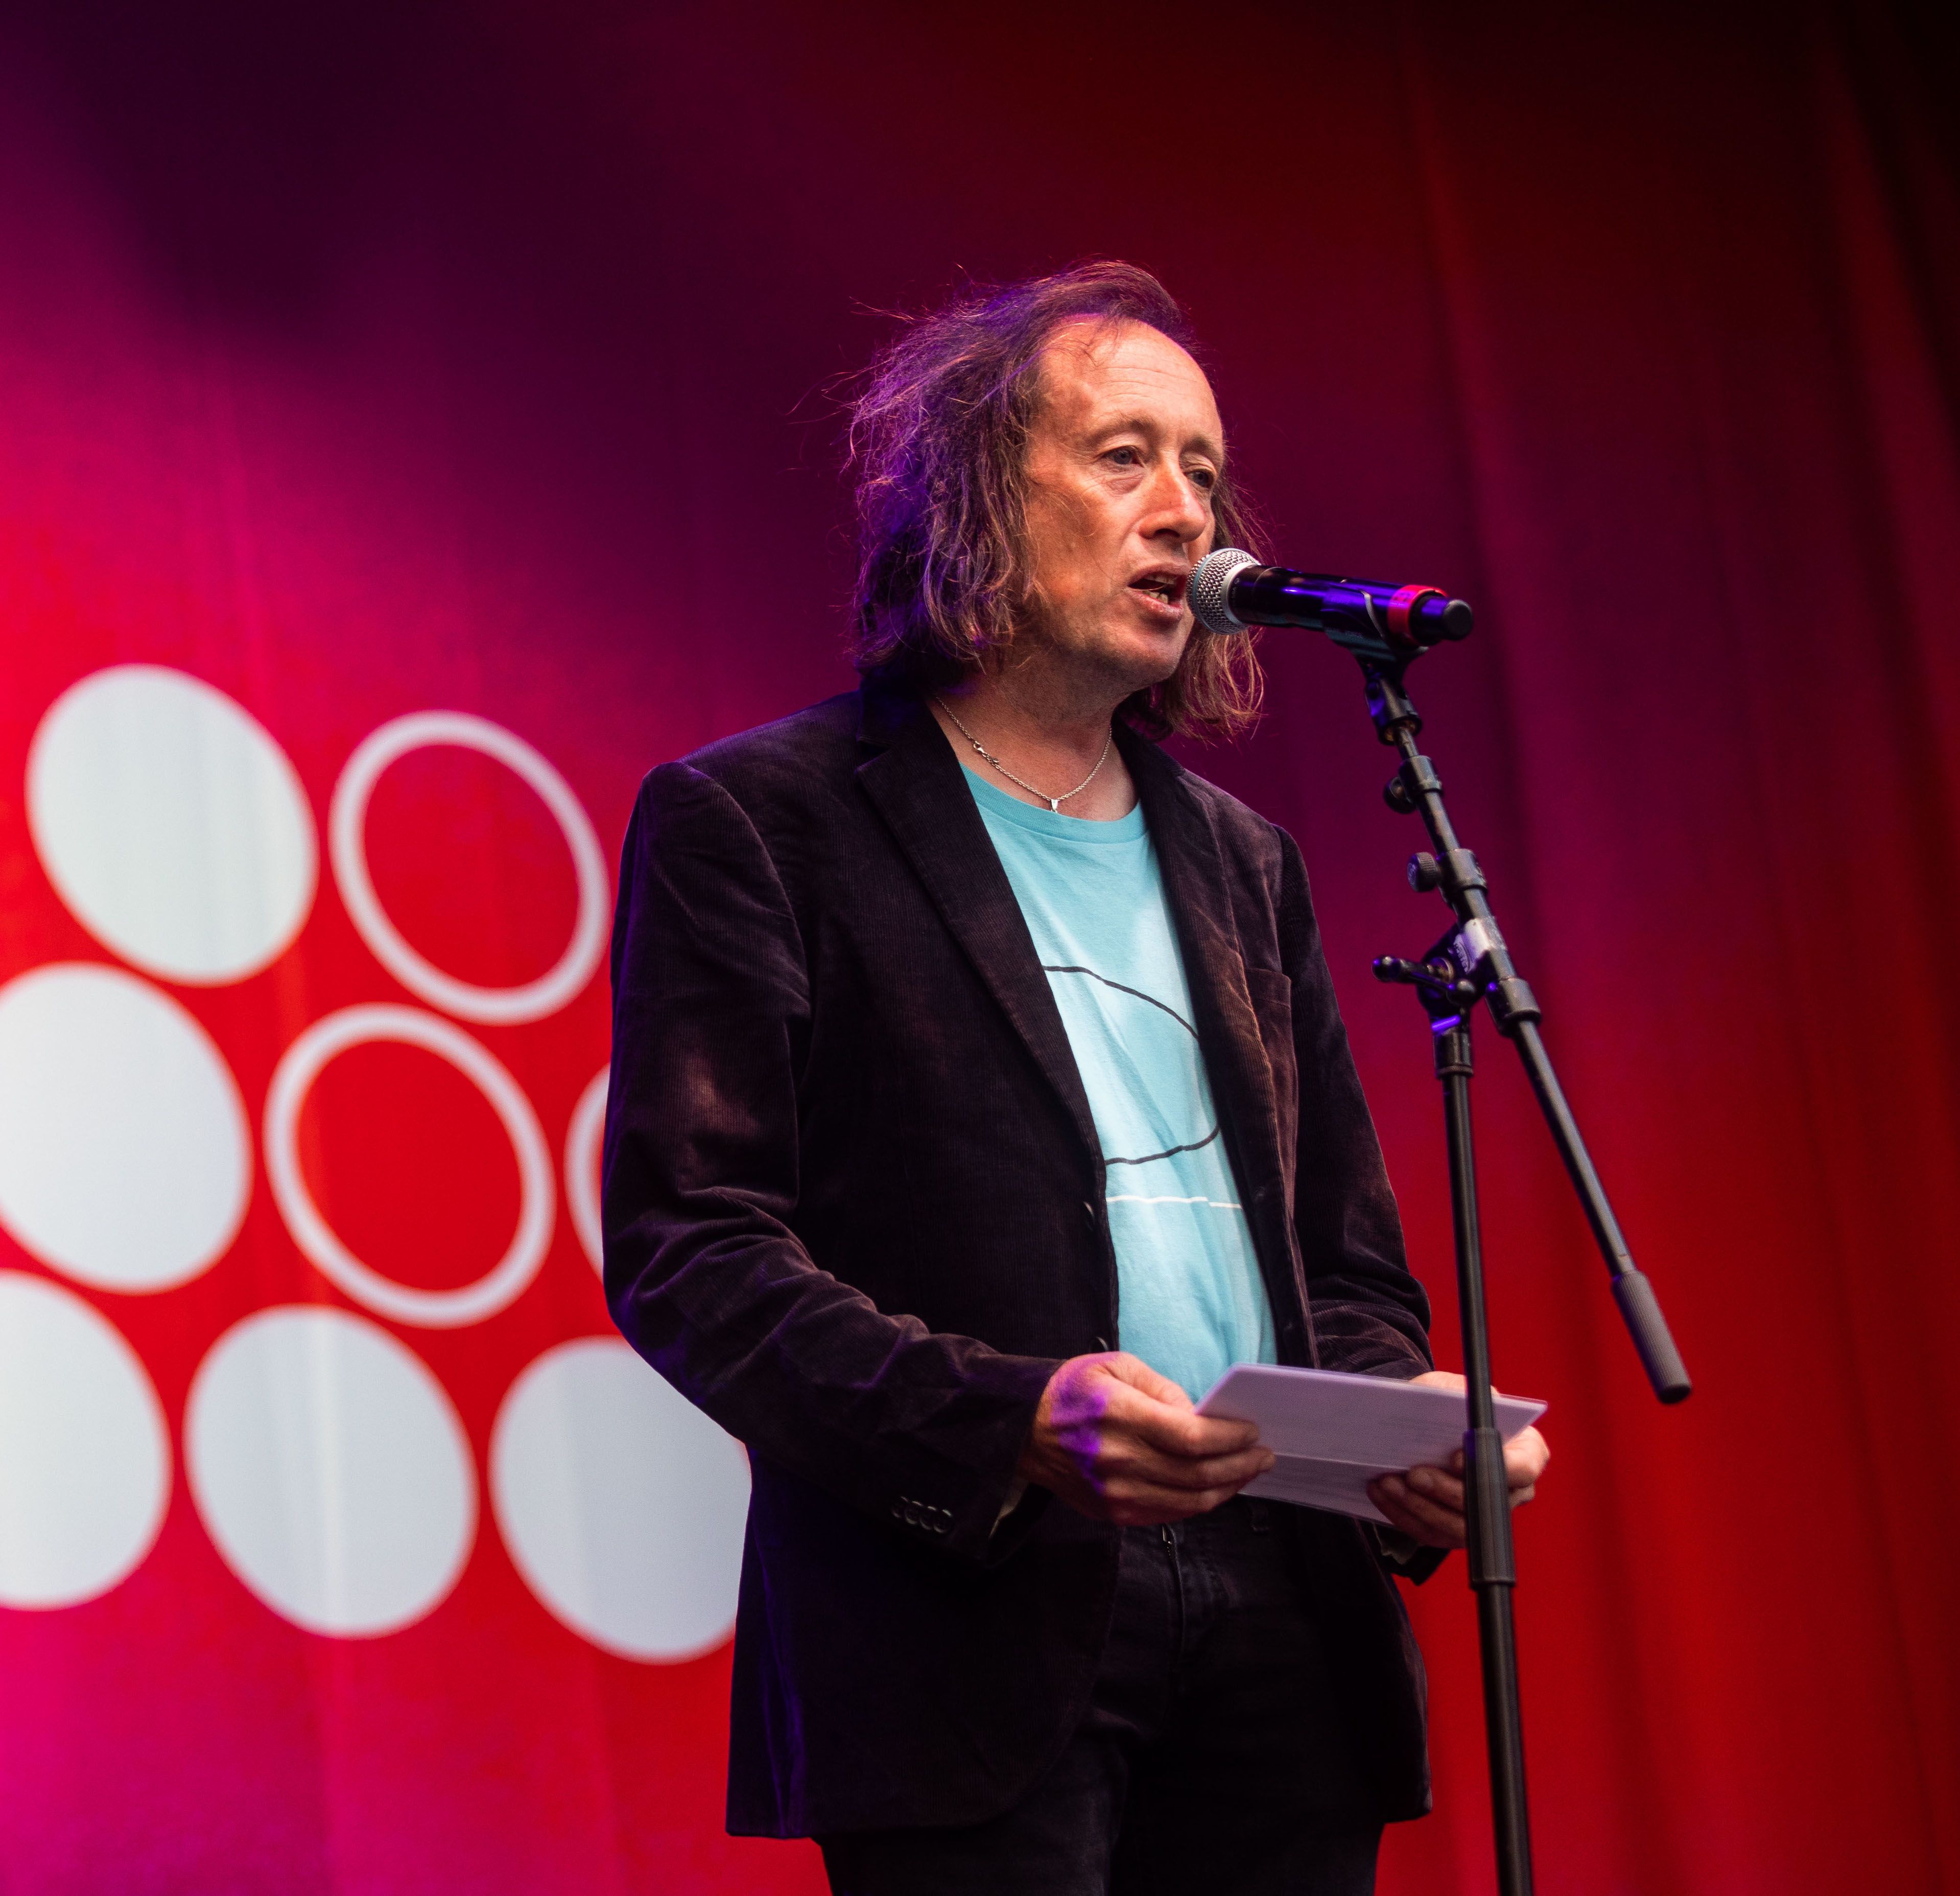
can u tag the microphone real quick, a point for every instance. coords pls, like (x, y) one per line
(1230, 592)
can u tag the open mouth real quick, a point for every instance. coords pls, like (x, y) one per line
(1167, 584)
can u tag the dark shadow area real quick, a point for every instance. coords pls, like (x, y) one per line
(238, 137)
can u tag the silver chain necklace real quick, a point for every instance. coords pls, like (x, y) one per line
(1054, 803)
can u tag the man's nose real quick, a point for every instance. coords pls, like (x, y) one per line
(1177, 506)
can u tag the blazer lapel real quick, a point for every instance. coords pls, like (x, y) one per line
(1214, 965)
(916, 784)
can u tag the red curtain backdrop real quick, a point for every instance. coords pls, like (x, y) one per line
(360, 361)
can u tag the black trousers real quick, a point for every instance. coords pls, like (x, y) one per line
(1213, 1759)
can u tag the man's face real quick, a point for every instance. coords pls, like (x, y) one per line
(1122, 462)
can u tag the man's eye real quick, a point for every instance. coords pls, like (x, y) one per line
(1203, 479)
(1125, 457)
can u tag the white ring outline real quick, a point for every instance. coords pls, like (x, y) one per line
(347, 848)
(301, 1064)
(582, 1139)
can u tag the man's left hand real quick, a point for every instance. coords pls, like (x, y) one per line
(1427, 1503)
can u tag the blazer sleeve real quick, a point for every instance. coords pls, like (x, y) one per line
(705, 1275)
(1370, 1315)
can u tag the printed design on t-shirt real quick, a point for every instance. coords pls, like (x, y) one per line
(1147, 1045)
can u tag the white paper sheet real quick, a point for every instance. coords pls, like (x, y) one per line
(1334, 1433)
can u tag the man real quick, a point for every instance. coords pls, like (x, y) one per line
(978, 1096)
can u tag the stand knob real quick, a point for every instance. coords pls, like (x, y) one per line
(1424, 872)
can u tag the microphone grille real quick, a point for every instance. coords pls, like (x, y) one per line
(1210, 590)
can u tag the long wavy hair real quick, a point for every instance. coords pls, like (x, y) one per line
(938, 442)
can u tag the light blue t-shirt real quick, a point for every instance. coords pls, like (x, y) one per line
(1190, 1301)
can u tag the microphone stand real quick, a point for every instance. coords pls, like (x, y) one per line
(1468, 963)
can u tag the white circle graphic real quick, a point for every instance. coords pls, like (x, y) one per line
(583, 1140)
(347, 844)
(171, 824)
(330, 1470)
(125, 1158)
(537, 1205)
(622, 1504)
(85, 1452)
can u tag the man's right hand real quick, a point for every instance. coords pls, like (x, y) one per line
(1119, 1442)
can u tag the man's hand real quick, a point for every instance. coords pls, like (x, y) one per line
(1427, 1503)
(1119, 1442)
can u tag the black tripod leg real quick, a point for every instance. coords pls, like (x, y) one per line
(1493, 1569)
